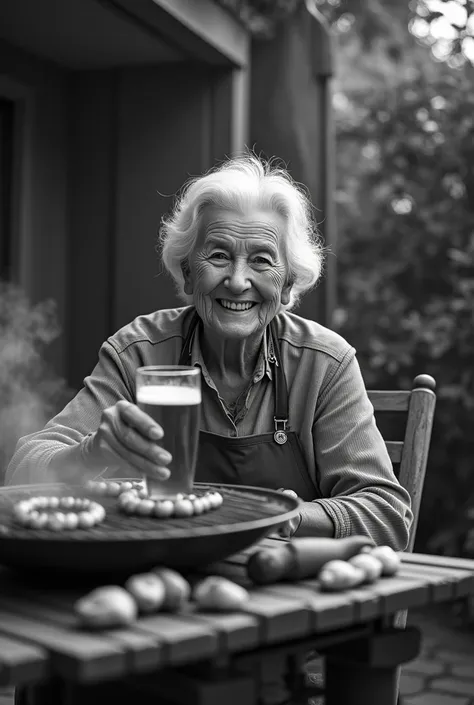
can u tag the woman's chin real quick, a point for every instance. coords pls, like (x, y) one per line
(237, 330)
(235, 327)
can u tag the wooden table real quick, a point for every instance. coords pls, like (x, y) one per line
(208, 659)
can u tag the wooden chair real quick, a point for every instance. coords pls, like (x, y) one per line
(405, 420)
(408, 415)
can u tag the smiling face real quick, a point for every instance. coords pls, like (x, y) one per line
(237, 274)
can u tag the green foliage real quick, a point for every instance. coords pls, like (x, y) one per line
(406, 265)
(29, 392)
(261, 16)
(446, 26)
(448, 29)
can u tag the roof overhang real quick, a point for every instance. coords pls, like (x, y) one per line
(200, 29)
(101, 34)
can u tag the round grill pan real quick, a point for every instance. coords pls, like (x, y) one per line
(124, 544)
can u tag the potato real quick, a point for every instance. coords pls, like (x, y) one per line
(183, 508)
(107, 606)
(219, 594)
(388, 557)
(71, 521)
(163, 509)
(198, 506)
(148, 590)
(56, 521)
(85, 520)
(340, 575)
(99, 487)
(177, 589)
(146, 507)
(371, 566)
(67, 502)
(40, 521)
(205, 503)
(114, 489)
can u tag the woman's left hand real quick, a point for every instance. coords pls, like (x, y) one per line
(289, 527)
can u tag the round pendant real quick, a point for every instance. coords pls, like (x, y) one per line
(280, 437)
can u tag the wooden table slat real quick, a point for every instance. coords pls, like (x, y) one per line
(236, 630)
(441, 587)
(327, 611)
(441, 561)
(462, 580)
(397, 593)
(365, 605)
(143, 651)
(183, 639)
(281, 618)
(442, 583)
(79, 656)
(22, 663)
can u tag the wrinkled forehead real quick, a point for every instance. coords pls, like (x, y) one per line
(262, 225)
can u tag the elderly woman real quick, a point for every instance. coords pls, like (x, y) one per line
(283, 401)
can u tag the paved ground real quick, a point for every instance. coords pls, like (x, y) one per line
(444, 672)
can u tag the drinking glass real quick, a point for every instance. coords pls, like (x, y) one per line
(171, 395)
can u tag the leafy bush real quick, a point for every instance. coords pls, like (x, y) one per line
(30, 394)
(406, 267)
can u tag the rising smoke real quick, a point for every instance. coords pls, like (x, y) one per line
(30, 392)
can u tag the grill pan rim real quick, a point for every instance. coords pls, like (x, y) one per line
(178, 534)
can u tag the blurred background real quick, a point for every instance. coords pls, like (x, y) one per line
(108, 106)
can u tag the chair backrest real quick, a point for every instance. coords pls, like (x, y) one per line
(405, 419)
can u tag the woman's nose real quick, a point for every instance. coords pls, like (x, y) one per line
(238, 281)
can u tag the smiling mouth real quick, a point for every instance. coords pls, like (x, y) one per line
(234, 306)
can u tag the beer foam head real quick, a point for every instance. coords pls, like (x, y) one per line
(167, 395)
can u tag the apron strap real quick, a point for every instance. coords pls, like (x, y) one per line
(281, 391)
(188, 341)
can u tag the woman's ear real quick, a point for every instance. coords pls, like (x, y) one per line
(188, 285)
(286, 293)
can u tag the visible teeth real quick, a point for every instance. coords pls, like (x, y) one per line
(236, 307)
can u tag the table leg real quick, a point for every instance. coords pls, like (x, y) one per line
(356, 684)
(165, 688)
(366, 671)
(46, 693)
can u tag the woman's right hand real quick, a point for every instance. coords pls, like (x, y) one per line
(128, 437)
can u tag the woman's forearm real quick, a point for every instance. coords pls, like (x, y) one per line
(314, 521)
(375, 514)
(68, 465)
(40, 460)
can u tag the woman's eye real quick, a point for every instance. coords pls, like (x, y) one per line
(262, 260)
(219, 255)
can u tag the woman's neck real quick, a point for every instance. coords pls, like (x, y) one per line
(230, 358)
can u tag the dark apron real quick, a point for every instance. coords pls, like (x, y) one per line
(274, 460)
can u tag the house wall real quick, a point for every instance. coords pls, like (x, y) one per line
(40, 182)
(91, 99)
(136, 136)
(99, 155)
(164, 136)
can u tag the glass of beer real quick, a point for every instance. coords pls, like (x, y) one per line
(171, 395)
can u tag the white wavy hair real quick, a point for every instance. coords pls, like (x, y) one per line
(240, 184)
